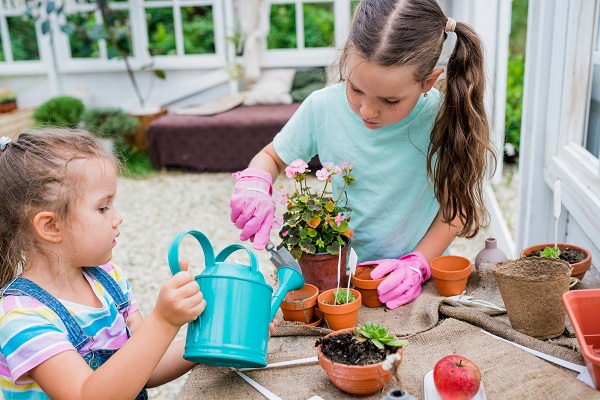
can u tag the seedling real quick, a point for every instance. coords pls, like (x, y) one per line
(378, 334)
(343, 296)
(550, 252)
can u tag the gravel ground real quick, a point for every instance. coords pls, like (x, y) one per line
(157, 208)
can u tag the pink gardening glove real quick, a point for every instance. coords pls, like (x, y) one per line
(252, 207)
(406, 275)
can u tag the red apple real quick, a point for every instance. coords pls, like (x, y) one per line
(456, 378)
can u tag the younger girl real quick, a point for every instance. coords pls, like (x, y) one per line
(419, 156)
(65, 309)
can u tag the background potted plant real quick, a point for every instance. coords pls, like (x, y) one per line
(111, 124)
(8, 100)
(315, 225)
(340, 307)
(360, 361)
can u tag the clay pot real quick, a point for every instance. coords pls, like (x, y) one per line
(317, 318)
(299, 305)
(358, 380)
(339, 316)
(366, 286)
(450, 274)
(490, 254)
(321, 269)
(579, 269)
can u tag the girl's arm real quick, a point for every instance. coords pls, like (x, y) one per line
(67, 375)
(438, 237)
(268, 160)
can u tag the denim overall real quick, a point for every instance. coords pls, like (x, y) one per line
(95, 358)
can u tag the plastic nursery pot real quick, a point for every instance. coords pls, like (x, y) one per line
(450, 274)
(339, 316)
(582, 307)
(579, 269)
(366, 286)
(299, 305)
(358, 380)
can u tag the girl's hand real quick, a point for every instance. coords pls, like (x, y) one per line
(180, 299)
(272, 326)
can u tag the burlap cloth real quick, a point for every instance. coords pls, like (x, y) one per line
(434, 327)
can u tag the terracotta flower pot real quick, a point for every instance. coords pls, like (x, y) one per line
(366, 286)
(450, 274)
(317, 318)
(358, 380)
(321, 269)
(339, 316)
(579, 269)
(299, 305)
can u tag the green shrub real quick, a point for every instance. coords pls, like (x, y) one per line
(108, 122)
(60, 112)
(514, 99)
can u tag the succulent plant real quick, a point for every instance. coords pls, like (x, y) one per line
(343, 296)
(550, 252)
(378, 334)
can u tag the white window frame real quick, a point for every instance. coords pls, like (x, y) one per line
(140, 57)
(309, 57)
(561, 89)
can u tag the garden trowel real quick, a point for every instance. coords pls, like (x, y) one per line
(281, 257)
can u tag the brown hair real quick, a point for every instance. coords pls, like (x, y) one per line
(34, 177)
(412, 33)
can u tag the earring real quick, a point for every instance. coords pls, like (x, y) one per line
(425, 94)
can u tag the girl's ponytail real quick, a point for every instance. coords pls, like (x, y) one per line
(461, 137)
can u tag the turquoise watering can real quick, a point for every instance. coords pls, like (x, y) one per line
(233, 330)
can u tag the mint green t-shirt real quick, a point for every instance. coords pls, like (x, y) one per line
(392, 201)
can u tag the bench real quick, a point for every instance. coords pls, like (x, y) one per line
(224, 142)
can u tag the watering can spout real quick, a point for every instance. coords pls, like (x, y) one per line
(289, 279)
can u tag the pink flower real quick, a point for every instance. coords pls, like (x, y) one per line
(282, 196)
(339, 219)
(323, 174)
(297, 166)
(277, 222)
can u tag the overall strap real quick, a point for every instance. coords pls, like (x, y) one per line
(111, 286)
(24, 287)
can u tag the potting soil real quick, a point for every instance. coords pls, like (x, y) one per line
(346, 349)
(567, 254)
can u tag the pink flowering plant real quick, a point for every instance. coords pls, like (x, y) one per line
(314, 222)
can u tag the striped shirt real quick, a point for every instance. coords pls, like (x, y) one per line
(31, 333)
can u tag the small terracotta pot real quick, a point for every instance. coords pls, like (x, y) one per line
(450, 274)
(358, 380)
(339, 316)
(579, 269)
(366, 286)
(317, 319)
(299, 305)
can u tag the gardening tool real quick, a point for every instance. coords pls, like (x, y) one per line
(470, 301)
(557, 207)
(233, 330)
(282, 257)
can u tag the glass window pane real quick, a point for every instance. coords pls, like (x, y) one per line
(593, 134)
(120, 32)
(318, 25)
(161, 31)
(82, 46)
(598, 33)
(23, 39)
(1, 50)
(198, 30)
(282, 34)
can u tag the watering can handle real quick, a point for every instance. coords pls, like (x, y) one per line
(227, 251)
(209, 254)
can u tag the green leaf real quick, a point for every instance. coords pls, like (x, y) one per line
(377, 343)
(68, 28)
(159, 73)
(397, 343)
(330, 206)
(45, 26)
(50, 5)
(312, 232)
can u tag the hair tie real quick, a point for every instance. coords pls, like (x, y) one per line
(4, 141)
(450, 25)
